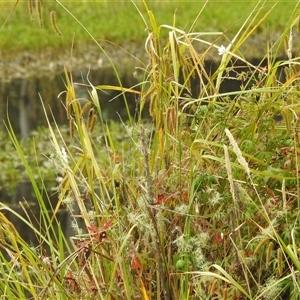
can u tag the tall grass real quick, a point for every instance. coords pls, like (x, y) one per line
(202, 202)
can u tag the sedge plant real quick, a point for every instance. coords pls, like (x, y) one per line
(200, 202)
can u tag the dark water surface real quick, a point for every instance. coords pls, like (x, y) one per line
(22, 98)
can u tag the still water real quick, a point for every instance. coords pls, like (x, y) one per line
(22, 98)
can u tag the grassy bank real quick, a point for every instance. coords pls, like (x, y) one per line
(119, 22)
(202, 202)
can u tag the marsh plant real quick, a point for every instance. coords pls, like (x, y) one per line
(200, 202)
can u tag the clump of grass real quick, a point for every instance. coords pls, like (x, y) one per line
(200, 202)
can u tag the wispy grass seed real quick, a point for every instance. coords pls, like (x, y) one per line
(238, 152)
(30, 8)
(54, 23)
(269, 253)
(39, 12)
(260, 245)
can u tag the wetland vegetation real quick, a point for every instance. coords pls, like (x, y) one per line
(199, 201)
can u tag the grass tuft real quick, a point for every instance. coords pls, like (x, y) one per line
(199, 201)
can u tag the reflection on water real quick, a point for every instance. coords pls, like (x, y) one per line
(23, 98)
